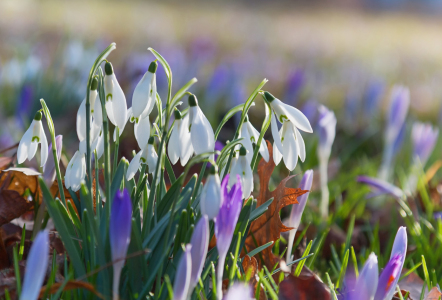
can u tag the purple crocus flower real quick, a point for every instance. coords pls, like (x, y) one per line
(424, 138)
(24, 105)
(326, 130)
(298, 209)
(239, 291)
(310, 110)
(49, 167)
(372, 97)
(399, 141)
(119, 233)
(36, 266)
(295, 83)
(198, 253)
(218, 147)
(182, 275)
(389, 278)
(367, 282)
(218, 84)
(225, 223)
(381, 187)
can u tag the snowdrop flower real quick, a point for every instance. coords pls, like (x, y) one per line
(424, 138)
(241, 167)
(147, 155)
(49, 167)
(120, 130)
(225, 223)
(142, 131)
(211, 194)
(289, 142)
(198, 253)
(180, 143)
(36, 266)
(145, 92)
(75, 171)
(29, 142)
(201, 132)
(116, 106)
(251, 135)
(298, 209)
(397, 113)
(367, 282)
(182, 275)
(96, 113)
(239, 291)
(119, 234)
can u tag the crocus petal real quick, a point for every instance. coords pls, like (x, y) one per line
(200, 245)
(382, 186)
(239, 291)
(211, 196)
(389, 278)
(367, 282)
(134, 166)
(24, 145)
(120, 224)
(275, 134)
(201, 132)
(36, 266)
(182, 276)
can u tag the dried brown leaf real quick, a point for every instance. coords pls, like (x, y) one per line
(12, 206)
(71, 285)
(307, 286)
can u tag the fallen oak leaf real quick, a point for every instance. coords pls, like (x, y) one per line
(12, 205)
(269, 226)
(307, 286)
(70, 285)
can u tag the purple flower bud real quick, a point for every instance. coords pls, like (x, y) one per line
(310, 110)
(372, 96)
(228, 214)
(36, 267)
(397, 145)
(381, 187)
(49, 167)
(218, 84)
(182, 275)
(327, 130)
(200, 244)
(400, 102)
(24, 104)
(295, 83)
(367, 282)
(119, 233)
(389, 278)
(239, 291)
(424, 138)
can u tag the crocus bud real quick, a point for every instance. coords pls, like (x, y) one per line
(201, 132)
(326, 130)
(381, 187)
(239, 291)
(182, 275)
(211, 194)
(367, 282)
(49, 167)
(36, 266)
(424, 138)
(119, 233)
(389, 277)
(225, 223)
(198, 253)
(29, 142)
(298, 209)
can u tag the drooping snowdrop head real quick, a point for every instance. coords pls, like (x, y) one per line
(29, 142)
(287, 112)
(241, 167)
(254, 137)
(116, 106)
(201, 132)
(49, 167)
(424, 138)
(326, 130)
(150, 156)
(75, 172)
(211, 194)
(143, 99)
(96, 116)
(247, 139)
(180, 144)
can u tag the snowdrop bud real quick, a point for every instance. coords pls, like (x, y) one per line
(119, 233)
(143, 99)
(94, 84)
(367, 282)
(327, 131)
(29, 142)
(239, 291)
(241, 167)
(424, 138)
(182, 275)
(211, 194)
(49, 167)
(298, 209)
(201, 132)
(115, 100)
(36, 266)
(198, 253)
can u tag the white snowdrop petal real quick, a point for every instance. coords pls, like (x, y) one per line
(151, 158)
(43, 150)
(141, 94)
(246, 142)
(203, 138)
(119, 106)
(246, 178)
(263, 150)
(211, 197)
(275, 133)
(173, 148)
(277, 156)
(290, 147)
(134, 166)
(81, 121)
(24, 145)
(301, 145)
(297, 118)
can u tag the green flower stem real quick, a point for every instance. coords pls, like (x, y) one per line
(54, 149)
(117, 144)
(97, 187)
(265, 126)
(102, 57)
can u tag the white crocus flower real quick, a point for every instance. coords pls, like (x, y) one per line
(147, 155)
(180, 144)
(201, 132)
(251, 136)
(211, 200)
(29, 142)
(145, 93)
(116, 106)
(75, 172)
(241, 167)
